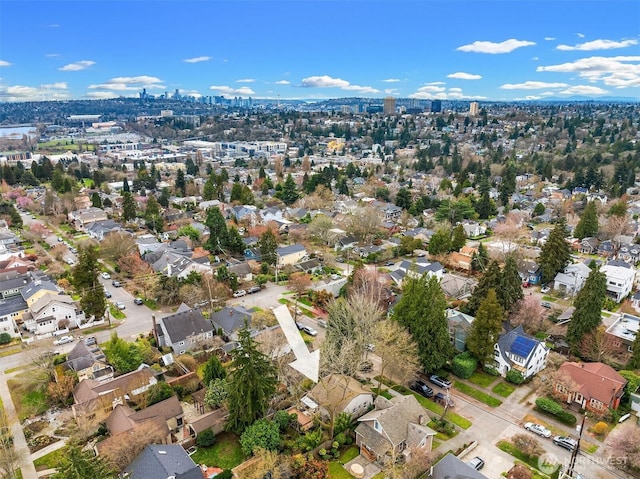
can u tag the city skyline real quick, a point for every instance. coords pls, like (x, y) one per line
(312, 50)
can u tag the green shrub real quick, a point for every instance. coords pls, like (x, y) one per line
(226, 474)
(206, 438)
(341, 439)
(552, 408)
(5, 338)
(491, 371)
(463, 365)
(514, 377)
(567, 418)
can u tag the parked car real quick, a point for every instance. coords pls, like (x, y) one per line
(309, 330)
(421, 388)
(299, 325)
(545, 288)
(477, 463)
(106, 275)
(545, 304)
(120, 305)
(389, 263)
(438, 381)
(538, 429)
(322, 323)
(253, 289)
(525, 284)
(239, 293)
(138, 301)
(90, 341)
(107, 294)
(115, 284)
(70, 262)
(566, 442)
(63, 340)
(442, 399)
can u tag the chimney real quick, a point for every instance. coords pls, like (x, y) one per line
(421, 420)
(155, 332)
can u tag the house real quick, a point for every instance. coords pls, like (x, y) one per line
(629, 253)
(452, 467)
(516, 350)
(147, 244)
(99, 230)
(620, 278)
(183, 330)
(572, 279)
(33, 292)
(606, 249)
(588, 245)
(80, 219)
(473, 229)
(242, 271)
(231, 319)
(163, 461)
(530, 271)
(459, 325)
(394, 427)
(346, 242)
(214, 420)
(12, 312)
(310, 266)
(416, 270)
(623, 333)
(337, 393)
(95, 400)
(88, 363)
(595, 386)
(462, 260)
(290, 255)
(51, 313)
(12, 283)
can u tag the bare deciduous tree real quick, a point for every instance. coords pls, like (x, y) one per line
(364, 223)
(530, 314)
(116, 245)
(122, 451)
(625, 448)
(597, 345)
(420, 459)
(527, 444)
(10, 458)
(397, 351)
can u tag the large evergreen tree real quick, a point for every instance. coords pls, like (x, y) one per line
(422, 311)
(510, 284)
(128, 206)
(459, 238)
(486, 328)
(588, 313)
(588, 224)
(440, 242)
(234, 241)
(213, 369)
(152, 214)
(217, 230)
(181, 183)
(634, 361)
(268, 247)
(492, 279)
(556, 252)
(79, 463)
(289, 194)
(480, 260)
(85, 280)
(252, 384)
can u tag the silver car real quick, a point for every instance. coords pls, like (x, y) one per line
(538, 429)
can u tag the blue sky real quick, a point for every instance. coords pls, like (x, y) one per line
(314, 49)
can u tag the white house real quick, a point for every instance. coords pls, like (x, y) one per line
(336, 393)
(572, 279)
(516, 350)
(50, 312)
(620, 277)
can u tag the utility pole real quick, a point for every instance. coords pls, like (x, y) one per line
(574, 454)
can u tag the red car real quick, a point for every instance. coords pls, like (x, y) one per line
(525, 284)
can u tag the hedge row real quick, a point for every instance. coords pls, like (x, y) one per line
(464, 365)
(552, 408)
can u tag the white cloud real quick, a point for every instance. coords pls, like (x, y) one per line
(436, 83)
(435, 92)
(52, 91)
(598, 45)
(4, 63)
(581, 35)
(464, 76)
(245, 80)
(391, 91)
(584, 90)
(193, 93)
(77, 66)
(618, 72)
(532, 97)
(535, 59)
(227, 90)
(101, 95)
(283, 82)
(431, 89)
(549, 38)
(455, 90)
(197, 59)
(52, 55)
(325, 81)
(490, 47)
(532, 85)
(391, 80)
(129, 83)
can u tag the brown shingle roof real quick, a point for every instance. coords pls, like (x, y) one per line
(595, 380)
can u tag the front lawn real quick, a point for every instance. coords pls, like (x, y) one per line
(481, 378)
(28, 396)
(336, 468)
(51, 460)
(116, 313)
(226, 453)
(529, 461)
(477, 394)
(503, 389)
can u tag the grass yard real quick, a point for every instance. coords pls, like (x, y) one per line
(225, 453)
(549, 298)
(51, 460)
(518, 454)
(116, 313)
(503, 389)
(10, 351)
(477, 394)
(481, 378)
(336, 468)
(29, 397)
(151, 304)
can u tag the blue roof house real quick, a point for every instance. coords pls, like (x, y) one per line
(516, 350)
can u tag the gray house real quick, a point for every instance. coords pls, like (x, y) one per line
(163, 461)
(183, 330)
(231, 319)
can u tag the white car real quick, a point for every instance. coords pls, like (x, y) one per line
(63, 340)
(538, 429)
(106, 275)
(239, 293)
(545, 289)
(120, 305)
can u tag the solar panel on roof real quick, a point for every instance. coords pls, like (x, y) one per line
(522, 346)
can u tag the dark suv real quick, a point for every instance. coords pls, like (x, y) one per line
(566, 442)
(422, 388)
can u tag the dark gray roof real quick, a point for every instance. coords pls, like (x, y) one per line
(185, 323)
(160, 461)
(294, 248)
(232, 318)
(33, 288)
(451, 467)
(517, 342)
(12, 305)
(13, 283)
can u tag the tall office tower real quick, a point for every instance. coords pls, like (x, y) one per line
(473, 108)
(436, 106)
(389, 107)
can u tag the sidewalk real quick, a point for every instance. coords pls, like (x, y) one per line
(46, 450)
(19, 441)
